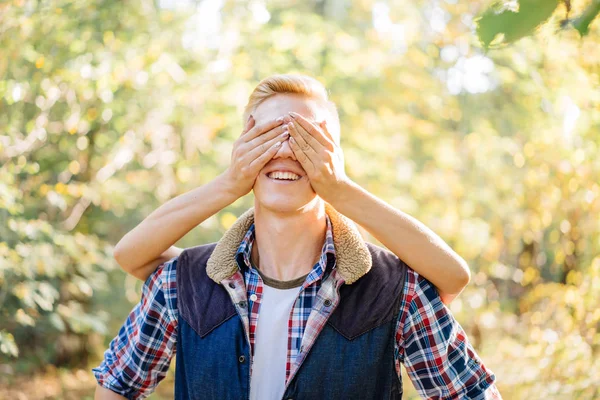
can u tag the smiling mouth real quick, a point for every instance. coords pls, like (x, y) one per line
(284, 176)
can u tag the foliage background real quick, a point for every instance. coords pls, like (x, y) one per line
(109, 108)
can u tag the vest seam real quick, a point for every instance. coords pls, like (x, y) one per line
(361, 333)
(211, 329)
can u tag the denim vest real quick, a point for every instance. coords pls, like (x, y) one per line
(352, 358)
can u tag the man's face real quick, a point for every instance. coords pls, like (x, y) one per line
(285, 195)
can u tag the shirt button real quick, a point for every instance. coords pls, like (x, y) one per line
(242, 359)
(327, 302)
(232, 285)
(242, 304)
(253, 297)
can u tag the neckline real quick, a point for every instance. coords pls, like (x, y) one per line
(277, 284)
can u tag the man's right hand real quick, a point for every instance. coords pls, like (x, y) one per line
(251, 152)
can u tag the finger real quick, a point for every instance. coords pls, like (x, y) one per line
(278, 130)
(255, 152)
(259, 129)
(264, 158)
(318, 134)
(302, 158)
(249, 125)
(308, 138)
(301, 140)
(263, 153)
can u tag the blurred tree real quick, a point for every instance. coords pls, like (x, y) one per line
(109, 108)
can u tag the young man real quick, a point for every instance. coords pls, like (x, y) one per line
(292, 302)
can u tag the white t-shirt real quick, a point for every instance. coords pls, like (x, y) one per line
(267, 381)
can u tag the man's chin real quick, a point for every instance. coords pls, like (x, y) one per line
(282, 204)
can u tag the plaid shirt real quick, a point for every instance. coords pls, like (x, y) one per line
(430, 343)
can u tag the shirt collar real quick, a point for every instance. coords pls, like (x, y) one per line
(321, 269)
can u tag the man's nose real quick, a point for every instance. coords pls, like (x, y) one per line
(285, 151)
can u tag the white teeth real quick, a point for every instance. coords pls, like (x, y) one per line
(284, 175)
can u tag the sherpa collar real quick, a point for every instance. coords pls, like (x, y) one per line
(353, 258)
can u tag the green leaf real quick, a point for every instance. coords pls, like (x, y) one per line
(582, 23)
(513, 25)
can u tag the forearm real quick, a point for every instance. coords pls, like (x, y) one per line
(106, 394)
(170, 222)
(144, 271)
(417, 245)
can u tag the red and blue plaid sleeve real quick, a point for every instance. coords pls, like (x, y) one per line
(434, 348)
(139, 356)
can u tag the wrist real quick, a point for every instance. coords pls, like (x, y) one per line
(225, 184)
(344, 193)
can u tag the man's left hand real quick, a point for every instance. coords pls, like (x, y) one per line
(319, 155)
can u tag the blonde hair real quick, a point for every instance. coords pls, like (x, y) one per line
(295, 84)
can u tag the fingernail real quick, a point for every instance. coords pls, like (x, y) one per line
(290, 124)
(292, 115)
(277, 144)
(280, 119)
(292, 141)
